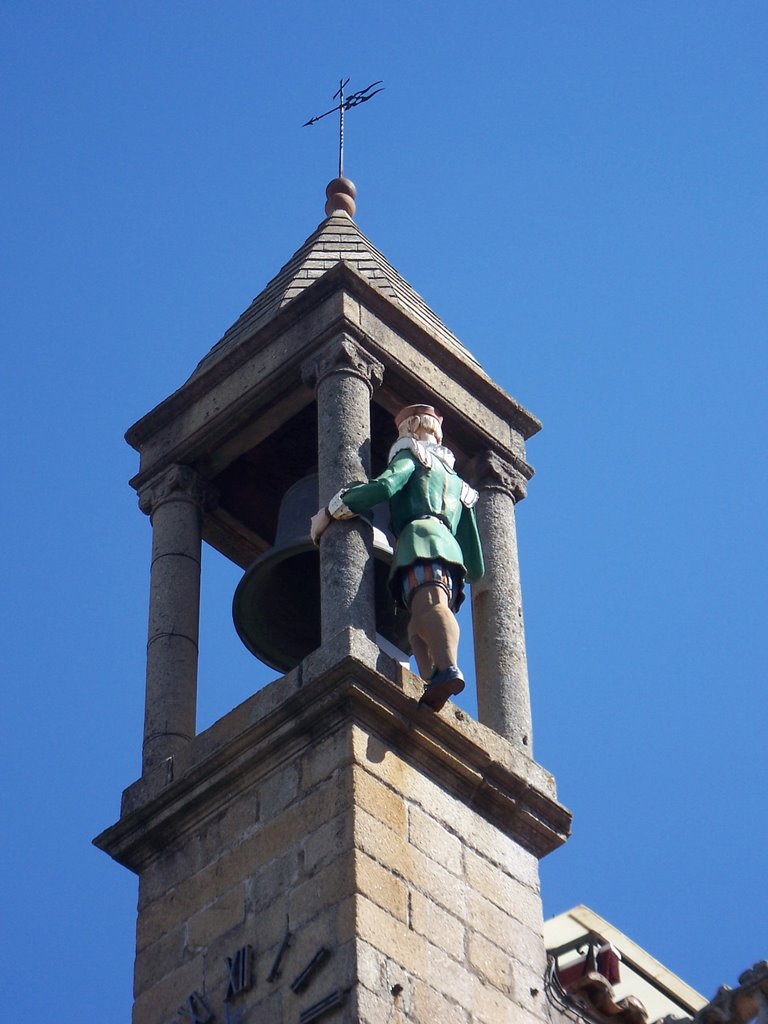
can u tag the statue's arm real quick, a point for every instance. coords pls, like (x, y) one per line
(469, 541)
(359, 498)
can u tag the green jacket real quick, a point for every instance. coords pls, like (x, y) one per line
(415, 490)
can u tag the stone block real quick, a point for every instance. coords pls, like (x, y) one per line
(417, 955)
(441, 928)
(434, 839)
(391, 937)
(491, 963)
(322, 890)
(421, 790)
(159, 959)
(162, 915)
(389, 985)
(489, 1006)
(325, 843)
(398, 982)
(368, 1007)
(492, 882)
(325, 758)
(415, 867)
(379, 1007)
(278, 790)
(380, 801)
(430, 1006)
(525, 945)
(238, 862)
(381, 886)
(273, 881)
(297, 821)
(220, 917)
(371, 966)
(159, 1003)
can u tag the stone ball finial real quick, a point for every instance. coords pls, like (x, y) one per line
(340, 194)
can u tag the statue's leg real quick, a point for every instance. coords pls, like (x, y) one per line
(421, 654)
(435, 625)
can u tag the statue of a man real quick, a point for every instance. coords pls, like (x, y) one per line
(437, 544)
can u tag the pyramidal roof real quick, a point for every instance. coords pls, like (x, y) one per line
(337, 240)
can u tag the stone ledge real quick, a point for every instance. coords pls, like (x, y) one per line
(347, 681)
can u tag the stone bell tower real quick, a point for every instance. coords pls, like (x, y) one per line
(330, 850)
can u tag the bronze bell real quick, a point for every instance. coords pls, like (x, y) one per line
(276, 607)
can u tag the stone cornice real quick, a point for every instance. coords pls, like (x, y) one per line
(347, 682)
(340, 277)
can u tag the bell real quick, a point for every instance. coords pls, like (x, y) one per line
(276, 607)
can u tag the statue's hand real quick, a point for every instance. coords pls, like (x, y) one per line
(320, 522)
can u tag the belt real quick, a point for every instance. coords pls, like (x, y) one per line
(437, 518)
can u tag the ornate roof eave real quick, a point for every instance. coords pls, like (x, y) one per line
(241, 346)
(745, 1004)
(748, 1002)
(592, 1000)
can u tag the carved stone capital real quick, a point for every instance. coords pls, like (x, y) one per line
(343, 355)
(490, 472)
(178, 483)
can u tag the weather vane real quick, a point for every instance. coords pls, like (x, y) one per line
(345, 104)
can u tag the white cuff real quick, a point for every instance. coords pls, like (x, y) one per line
(338, 510)
(469, 495)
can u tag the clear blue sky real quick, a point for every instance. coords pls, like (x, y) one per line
(579, 190)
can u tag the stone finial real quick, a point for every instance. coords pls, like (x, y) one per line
(340, 194)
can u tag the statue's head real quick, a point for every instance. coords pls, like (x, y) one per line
(421, 422)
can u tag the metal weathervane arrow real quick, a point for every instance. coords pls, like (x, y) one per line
(362, 96)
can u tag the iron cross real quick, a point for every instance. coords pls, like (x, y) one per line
(362, 96)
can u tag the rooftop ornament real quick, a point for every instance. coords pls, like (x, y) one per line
(341, 192)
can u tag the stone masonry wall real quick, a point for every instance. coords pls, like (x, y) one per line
(427, 910)
(277, 854)
(446, 909)
(329, 851)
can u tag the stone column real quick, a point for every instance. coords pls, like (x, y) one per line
(501, 667)
(344, 376)
(175, 502)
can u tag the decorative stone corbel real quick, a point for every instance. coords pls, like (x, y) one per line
(343, 355)
(493, 473)
(178, 483)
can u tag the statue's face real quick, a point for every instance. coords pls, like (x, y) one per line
(422, 428)
(425, 432)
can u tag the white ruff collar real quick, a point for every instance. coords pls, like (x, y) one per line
(424, 451)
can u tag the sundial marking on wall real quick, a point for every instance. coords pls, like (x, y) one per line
(197, 1008)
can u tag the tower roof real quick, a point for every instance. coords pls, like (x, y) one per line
(336, 240)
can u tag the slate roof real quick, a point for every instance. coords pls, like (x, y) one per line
(337, 239)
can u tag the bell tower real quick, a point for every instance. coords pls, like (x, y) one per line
(330, 849)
